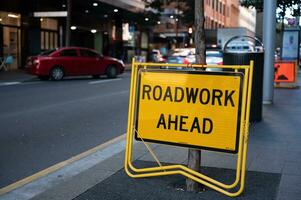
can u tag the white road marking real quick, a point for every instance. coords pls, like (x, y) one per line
(39, 82)
(9, 83)
(40, 182)
(104, 81)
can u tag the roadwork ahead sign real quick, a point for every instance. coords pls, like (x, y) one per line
(190, 108)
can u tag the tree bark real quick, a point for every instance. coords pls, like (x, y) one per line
(194, 155)
(199, 36)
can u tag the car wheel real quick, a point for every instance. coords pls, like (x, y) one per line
(95, 76)
(111, 71)
(43, 78)
(56, 74)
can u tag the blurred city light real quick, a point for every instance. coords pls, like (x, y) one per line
(13, 16)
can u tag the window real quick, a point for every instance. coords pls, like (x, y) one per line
(88, 53)
(14, 20)
(169, 26)
(224, 9)
(49, 24)
(46, 40)
(69, 52)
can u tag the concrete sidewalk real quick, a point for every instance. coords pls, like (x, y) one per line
(15, 75)
(273, 165)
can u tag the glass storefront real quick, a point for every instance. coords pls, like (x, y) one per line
(11, 37)
(49, 34)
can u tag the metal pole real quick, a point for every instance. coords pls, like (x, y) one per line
(68, 22)
(269, 32)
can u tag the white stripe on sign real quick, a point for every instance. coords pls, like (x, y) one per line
(104, 81)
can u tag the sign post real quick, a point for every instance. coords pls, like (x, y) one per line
(190, 108)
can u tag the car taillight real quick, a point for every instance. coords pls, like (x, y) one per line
(186, 61)
(36, 61)
(220, 63)
(162, 60)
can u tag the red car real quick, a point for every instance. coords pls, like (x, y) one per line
(73, 61)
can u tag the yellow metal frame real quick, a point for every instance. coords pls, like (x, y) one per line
(160, 170)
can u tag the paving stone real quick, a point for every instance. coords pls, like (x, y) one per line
(259, 186)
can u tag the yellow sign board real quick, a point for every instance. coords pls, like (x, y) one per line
(190, 108)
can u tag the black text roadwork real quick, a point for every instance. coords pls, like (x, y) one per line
(203, 96)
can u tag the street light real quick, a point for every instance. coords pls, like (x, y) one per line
(146, 19)
(190, 40)
(93, 31)
(115, 10)
(73, 27)
(95, 4)
(12, 15)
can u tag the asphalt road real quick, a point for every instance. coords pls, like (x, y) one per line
(45, 122)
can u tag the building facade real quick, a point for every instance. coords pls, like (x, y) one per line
(247, 18)
(218, 14)
(28, 27)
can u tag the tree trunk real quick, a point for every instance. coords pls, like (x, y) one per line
(194, 155)
(199, 36)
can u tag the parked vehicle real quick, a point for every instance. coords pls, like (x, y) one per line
(213, 57)
(177, 60)
(156, 56)
(73, 61)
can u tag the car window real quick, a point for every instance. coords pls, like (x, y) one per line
(48, 52)
(88, 53)
(68, 52)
